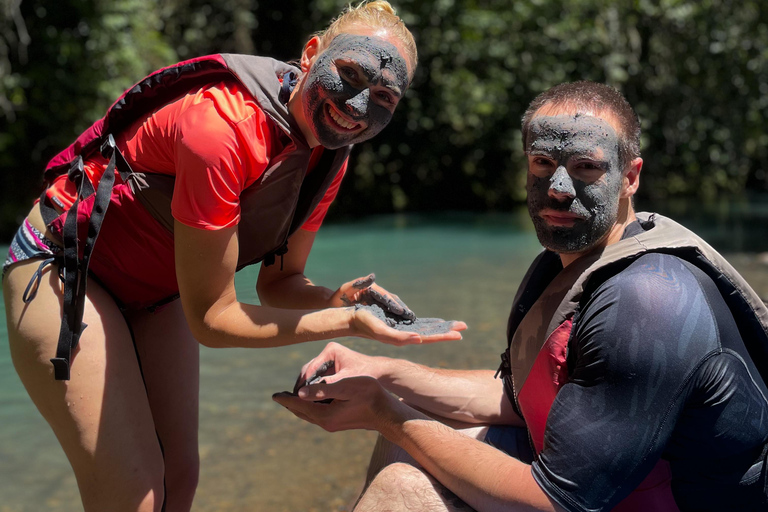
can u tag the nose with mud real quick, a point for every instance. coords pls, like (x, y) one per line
(561, 184)
(358, 104)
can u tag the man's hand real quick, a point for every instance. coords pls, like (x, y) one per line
(337, 362)
(355, 403)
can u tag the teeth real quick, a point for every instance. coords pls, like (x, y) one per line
(341, 122)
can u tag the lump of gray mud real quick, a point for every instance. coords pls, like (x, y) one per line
(423, 326)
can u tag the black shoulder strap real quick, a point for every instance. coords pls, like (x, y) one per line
(76, 269)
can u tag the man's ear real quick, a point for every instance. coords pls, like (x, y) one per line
(310, 53)
(632, 178)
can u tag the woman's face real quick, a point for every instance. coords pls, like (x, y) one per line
(352, 88)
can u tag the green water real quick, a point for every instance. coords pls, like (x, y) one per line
(255, 456)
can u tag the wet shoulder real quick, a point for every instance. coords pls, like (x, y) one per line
(658, 304)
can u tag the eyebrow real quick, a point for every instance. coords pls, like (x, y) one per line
(581, 155)
(392, 87)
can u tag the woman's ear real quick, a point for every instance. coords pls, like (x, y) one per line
(310, 53)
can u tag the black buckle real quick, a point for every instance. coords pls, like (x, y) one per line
(108, 146)
(76, 170)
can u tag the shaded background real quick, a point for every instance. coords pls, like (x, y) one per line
(694, 69)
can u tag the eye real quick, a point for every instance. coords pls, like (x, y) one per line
(348, 73)
(540, 166)
(385, 97)
(588, 171)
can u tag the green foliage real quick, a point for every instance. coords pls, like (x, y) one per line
(695, 70)
(79, 56)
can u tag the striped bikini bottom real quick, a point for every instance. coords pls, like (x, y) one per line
(30, 243)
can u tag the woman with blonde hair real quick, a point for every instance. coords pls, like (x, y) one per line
(200, 169)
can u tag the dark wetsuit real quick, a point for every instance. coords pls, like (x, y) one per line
(657, 368)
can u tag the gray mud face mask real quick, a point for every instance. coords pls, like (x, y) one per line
(565, 139)
(331, 84)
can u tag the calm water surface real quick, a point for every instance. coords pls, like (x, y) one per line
(256, 456)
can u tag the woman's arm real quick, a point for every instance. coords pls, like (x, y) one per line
(284, 285)
(289, 287)
(205, 268)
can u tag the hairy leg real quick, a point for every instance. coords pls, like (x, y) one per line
(170, 358)
(101, 416)
(402, 487)
(386, 453)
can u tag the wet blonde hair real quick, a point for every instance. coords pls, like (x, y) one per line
(374, 14)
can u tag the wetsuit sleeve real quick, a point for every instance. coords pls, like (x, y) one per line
(221, 147)
(316, 219)
(636, 343)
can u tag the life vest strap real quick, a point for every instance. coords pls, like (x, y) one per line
(76, 269)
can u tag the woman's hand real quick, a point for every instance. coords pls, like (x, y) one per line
(364, 291)
(374, 323)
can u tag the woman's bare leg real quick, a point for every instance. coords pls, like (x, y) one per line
(170, 358)
(101, 416)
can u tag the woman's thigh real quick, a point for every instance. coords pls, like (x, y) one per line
(169, 357)
(101, 416)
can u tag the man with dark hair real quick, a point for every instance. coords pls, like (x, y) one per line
(634, 377)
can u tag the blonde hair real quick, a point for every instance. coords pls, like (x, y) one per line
(374, 14)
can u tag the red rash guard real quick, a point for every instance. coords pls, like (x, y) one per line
(216, 141)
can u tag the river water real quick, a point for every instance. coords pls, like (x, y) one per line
(256, 456)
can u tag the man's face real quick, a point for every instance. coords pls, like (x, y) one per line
(352, 89)
(574, 180)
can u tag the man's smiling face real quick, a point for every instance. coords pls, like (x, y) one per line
(352, 89)
(574, 180)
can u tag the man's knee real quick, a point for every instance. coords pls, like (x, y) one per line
(405, 488)
(399, 473)
(385, 453)
(402, 486)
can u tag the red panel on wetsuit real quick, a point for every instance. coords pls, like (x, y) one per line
(547, 375)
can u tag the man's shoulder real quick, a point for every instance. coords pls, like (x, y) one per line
(662, 268)
(656, 283)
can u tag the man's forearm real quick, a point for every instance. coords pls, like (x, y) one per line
(485, 478)
(472, 396)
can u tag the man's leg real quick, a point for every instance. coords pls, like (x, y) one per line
(401, 487)
(389, 466)
(386, 452)
(392, 471)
